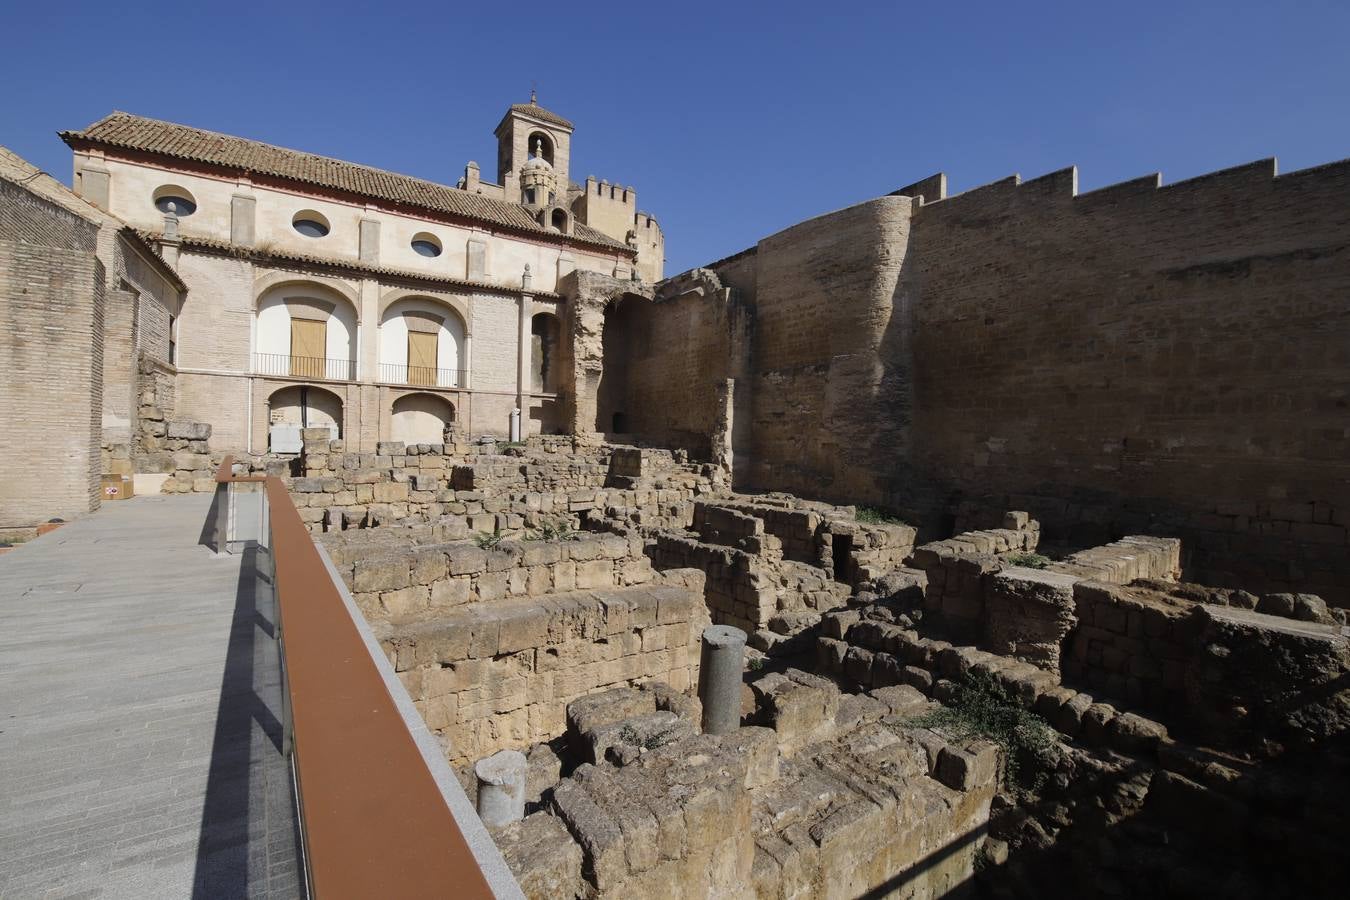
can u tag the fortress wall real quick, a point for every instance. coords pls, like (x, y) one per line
(827, 411)
(1174, 359)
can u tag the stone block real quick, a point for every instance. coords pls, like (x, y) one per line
(965, 769)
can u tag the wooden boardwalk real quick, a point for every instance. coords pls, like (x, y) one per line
(139, 714)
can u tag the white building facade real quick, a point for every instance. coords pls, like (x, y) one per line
(384, 307)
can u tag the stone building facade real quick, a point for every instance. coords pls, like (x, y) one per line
(384, 307)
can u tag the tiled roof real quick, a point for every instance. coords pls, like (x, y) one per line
(133, 132)
(281, 256)
(533, 109)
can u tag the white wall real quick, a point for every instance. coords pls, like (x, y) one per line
(450, 342)
(133, 185)
(274, 322)
(420, 419)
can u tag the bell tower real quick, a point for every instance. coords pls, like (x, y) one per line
(528, 130)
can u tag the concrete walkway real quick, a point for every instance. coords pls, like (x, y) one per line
(139, 714)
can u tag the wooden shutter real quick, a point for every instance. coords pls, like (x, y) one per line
(309, 345)
(421, 358)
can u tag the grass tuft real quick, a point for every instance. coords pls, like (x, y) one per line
(984, 709)
(1027, 560)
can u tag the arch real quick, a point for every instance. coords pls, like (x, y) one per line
(422, 419)
(423, 342)
(544, 335)
(625, 337)
(458, 304)
(265, 283)
(306, 328)
(303, 406)
(546, 145)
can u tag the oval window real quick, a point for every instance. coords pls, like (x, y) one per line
(310, 224)
(174, 199)
(426, 244)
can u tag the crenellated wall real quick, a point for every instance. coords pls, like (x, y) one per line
(1137, 359)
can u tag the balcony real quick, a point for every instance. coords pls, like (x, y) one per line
(304, 367)
(423, 376)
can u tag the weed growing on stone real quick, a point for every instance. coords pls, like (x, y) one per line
(1027, 560)
(872, 516)
(488, 540)
(983, 708)
(561, 530)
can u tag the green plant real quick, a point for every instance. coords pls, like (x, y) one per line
(560, 530)
(870, 515)
(983, 708)
(755, 663)
(488, 540)
(1027, 560)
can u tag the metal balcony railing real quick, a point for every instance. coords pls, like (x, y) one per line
(304, 367)
(423, 376)
(380, 810)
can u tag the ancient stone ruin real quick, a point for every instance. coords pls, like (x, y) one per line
(909, 713)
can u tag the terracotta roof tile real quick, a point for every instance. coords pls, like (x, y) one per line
(533, 109)
(133, 132)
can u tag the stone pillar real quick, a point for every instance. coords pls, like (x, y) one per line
(501, 788)
(523, 344)
(719, 678)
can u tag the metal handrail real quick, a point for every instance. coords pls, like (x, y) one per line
(423, 376)
(374, 822)
(283, 365)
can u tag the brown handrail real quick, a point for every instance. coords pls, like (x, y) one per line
(374, 820)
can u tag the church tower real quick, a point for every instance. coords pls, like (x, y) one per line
(525, 131)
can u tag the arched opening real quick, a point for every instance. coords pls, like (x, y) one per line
(306, 331)
(543, 143)
(544, 332)
(559, 220)
(626, 336)
(422, 344)
(422, 419)
(299, 406)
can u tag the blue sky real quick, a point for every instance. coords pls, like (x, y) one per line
(733, 120)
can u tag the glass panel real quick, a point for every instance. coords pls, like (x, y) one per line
(426, 248)
(310, 228)
(179, 206)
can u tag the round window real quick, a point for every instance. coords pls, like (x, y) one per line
(310, 223)
(174, 199)
(426, 244)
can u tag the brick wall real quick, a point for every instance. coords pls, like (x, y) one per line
(51, 351)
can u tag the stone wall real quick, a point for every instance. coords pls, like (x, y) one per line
(51, 351)
(499, 674)
(392, 582)
(1135, 355)
(491, 492)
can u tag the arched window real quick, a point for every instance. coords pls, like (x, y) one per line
(310, 223)
(426, 244)
(422, 343)
(543, 142)
(172, 198)
(301, 406)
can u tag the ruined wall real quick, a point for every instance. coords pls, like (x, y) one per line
(1145, 358)
(51, 353)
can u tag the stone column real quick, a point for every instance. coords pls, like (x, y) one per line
(523, 349)
(501, 788)
(719, 678)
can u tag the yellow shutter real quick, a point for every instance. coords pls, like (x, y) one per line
(309, 345)
(421, 358)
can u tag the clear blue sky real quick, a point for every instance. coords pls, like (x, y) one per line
(733, 120)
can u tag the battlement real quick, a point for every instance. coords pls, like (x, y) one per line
(1063, 185)
(603, 190)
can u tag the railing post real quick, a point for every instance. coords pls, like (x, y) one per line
(222, 541)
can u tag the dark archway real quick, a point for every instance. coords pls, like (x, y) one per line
(544, 335)
(625, 338)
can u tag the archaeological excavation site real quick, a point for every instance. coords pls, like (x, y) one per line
(992, 545)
